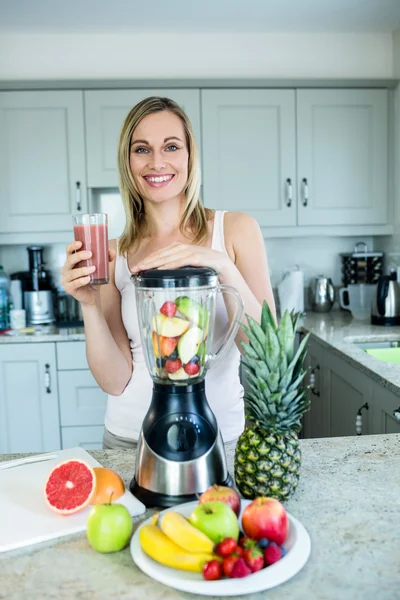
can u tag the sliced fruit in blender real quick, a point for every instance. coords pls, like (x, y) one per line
(192, 310)
(163, 346)
(179, 375)
(168, 309)
(192, 368)
(201, 353)
(172, 366)
(169, 327)
(189, 344)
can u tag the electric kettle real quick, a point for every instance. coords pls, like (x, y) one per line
(386, 301)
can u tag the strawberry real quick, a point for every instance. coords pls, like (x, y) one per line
(172, 366)
(240, 569)
(272, 554)
(228, 563)
(226, 547)
(253, 556)
(191, 368)
(212, 570)
(168, 309)
(242, 540)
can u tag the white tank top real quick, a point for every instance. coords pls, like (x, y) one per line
(125, 413)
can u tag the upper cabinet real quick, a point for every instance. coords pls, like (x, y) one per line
(105, 112)
(339, 138)
(342, 157)
(249, 154)
(42, 160)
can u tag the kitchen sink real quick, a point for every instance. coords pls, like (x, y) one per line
(387, 351)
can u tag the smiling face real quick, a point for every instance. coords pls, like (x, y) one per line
(159, 157)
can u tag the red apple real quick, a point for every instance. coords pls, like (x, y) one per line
(222, 493)
(266, 518)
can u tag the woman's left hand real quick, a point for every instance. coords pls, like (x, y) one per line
(182, 255)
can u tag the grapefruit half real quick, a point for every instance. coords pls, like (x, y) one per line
(69, 486)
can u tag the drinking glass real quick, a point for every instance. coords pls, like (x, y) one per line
(92, 231)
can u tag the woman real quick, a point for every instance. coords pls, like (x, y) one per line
(166, 227)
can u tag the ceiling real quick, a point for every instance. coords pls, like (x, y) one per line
(130, 16)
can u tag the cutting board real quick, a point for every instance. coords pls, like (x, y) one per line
(26, 519)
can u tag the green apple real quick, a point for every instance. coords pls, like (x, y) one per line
(216, 519)
(189, 343)
(109, 527)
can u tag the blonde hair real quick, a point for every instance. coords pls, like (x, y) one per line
(194, 216)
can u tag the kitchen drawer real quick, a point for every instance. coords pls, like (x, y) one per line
(71, 355)
(82, 401)
(90, 438)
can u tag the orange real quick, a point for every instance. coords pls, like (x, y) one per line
(108, 486)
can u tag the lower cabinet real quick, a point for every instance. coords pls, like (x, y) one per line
(345, 400)
(29, 412)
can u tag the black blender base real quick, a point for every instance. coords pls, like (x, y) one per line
(154, 499)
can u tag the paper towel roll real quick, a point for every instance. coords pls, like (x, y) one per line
(291, 291)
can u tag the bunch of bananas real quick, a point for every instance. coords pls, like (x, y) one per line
(176, 543)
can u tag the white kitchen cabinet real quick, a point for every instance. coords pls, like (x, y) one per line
(105, 112)
(348, 390)
(386, 410)
(339, 138)
(42, 160)
(90, 438)
(249, 161)
(29, 414)
(342, 154)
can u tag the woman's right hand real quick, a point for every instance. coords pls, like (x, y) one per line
(75, 281)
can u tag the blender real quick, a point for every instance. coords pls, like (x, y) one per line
(180, 449)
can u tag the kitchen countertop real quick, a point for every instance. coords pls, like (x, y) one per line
(348, 499)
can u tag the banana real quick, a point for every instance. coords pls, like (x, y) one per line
(162, 549)
(183, 533)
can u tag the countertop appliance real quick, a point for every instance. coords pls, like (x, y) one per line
(386, 301)
(37, 289)
(180, 449)
(322, 294)
(361, 266)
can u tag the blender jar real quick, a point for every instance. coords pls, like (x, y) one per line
(176, 312)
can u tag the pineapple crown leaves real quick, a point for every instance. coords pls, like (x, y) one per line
(275, 372)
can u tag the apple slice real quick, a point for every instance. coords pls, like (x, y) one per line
(189, 344)
(178, 375)
(169, 327)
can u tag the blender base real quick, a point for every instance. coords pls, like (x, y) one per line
(153, 499)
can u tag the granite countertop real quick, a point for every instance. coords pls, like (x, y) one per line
(43, 333)
(340, 332)
(348, 499)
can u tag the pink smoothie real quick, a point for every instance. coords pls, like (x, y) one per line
(95, 239)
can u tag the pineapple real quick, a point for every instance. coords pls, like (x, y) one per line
(267, 454)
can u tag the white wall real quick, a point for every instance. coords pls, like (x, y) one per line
(101, 56)
(396, 53)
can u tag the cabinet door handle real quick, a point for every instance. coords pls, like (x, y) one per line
(289, 192)
(305, 191)
(396, 414)
(47, 378)
(312, 381)
(78, 196)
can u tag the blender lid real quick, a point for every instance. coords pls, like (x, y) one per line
(175, 278)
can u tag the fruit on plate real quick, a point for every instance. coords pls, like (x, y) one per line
(162, 549)
(267, 455)
(266, 518)
(189, 343)
(216, 519)
(212, 570)
(168, 309)
(253, 556)
(183, 533)
(163, 346)
(109, 527)
(272, 554)
(70, 486)
(227, 547)
(109, 486)
(240, 568)
(169, 327)
(223, 493)
(193, 311)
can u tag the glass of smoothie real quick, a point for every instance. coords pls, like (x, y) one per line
(92, 231)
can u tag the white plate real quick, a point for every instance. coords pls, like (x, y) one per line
(298, 546)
